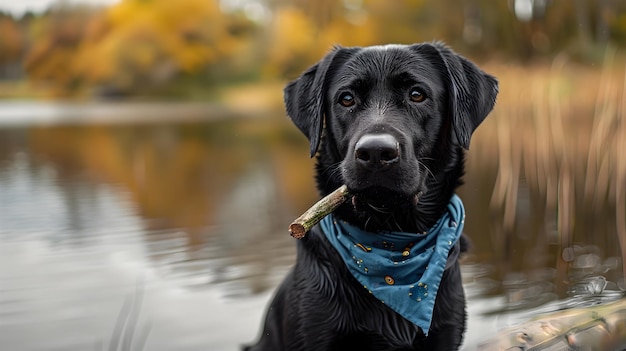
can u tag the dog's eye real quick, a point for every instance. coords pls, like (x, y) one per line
(416, 95)
(346, 100)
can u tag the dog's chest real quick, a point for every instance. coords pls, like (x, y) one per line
(336, 299)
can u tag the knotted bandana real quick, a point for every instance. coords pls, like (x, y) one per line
(402, 270)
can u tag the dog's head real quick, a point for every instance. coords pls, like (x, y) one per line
(395, 120)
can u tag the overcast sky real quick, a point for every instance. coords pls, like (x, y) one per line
(18, 7)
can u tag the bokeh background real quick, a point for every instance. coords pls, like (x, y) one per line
(148, 172)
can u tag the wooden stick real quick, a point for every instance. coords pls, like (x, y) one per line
(321, 209)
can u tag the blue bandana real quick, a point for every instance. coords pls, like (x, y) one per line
(402, 270)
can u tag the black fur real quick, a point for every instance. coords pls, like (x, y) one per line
(403, 159)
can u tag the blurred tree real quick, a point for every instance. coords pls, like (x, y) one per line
(11, 46)
(55, 39)
(133, 46)
(293, 40)
(138, 43)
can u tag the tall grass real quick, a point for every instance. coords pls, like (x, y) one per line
(560, 131)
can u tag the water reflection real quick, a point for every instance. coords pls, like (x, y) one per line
(216, 189)
(86, 211)
(193, 215)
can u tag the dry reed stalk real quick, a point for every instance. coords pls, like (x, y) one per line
(564, 202)
(557, 136)
(535, 159)
(560, 194)
(565, 215)
(503, 175)
(499, 191)
(598, 144)
(507, 181)
(606, 147)
(620, 179)
(510, 206)
(530, 151)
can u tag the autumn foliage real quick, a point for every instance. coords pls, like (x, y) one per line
(129, 46)
(154, 46)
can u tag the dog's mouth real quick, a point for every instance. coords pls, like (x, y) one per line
(380, 199)
(380, 209)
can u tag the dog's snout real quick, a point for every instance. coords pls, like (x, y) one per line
(376, 151)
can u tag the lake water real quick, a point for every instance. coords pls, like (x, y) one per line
(170, 233)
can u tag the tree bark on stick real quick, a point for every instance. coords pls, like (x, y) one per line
(321, 209)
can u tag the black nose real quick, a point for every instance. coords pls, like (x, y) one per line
(376, 151)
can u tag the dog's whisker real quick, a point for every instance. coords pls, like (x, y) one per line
(333, 171)
(430, 173)
(367, 222)
(332, 168)
(378, 209)
(395, 222)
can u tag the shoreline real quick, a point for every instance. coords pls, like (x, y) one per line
(23, 113)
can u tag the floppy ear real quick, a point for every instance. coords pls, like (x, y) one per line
(304, 98)
(472, 93)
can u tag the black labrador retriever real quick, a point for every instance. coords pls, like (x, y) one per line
(381, 273)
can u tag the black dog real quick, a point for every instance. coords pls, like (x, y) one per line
(391, 122)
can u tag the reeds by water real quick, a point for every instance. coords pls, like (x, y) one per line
(560, 131)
